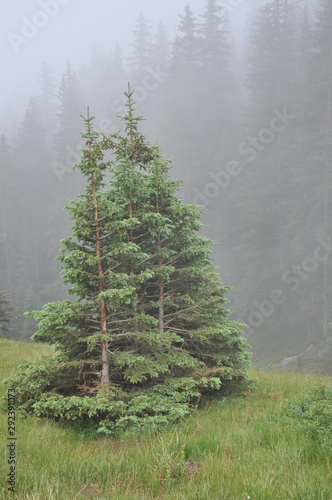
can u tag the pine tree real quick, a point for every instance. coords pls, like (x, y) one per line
(161, 48)
(215, 47)
(186, 47)
(300, 190)
(271, 65)
(8, 121)
(141, 57)
(219, 116)
(322, 117)
(263, 196)
(179, 124)
(145, 334)
(8, 231)
(7, 313)
(308, 187)
(67, 137)
(47, 101)
(103, 67)
(32, 165)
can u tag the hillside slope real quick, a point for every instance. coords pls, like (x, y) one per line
(235, 448)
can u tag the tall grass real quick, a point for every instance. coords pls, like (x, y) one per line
(232, 448)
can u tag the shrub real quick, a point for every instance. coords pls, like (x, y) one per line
(311, 413)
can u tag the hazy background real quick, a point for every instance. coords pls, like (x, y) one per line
(243, 105)
(70, 34)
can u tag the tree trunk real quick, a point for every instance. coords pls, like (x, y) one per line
(161, 281)
(161, 291)
(105, 379)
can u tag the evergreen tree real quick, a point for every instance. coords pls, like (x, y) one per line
(219, 117)
(186, 47)
(215, 49)
(8, 121)
(118, 69)
(263, 198)
(272, 62)
(141, 57)
(33, 174)
(67, 137)
(6, 313)
(8, 230)
(146, 333)
(47, 101)
(307, 195)
(161, 48)
(300, 192)
(179, 124)
(67, 142)
(103, 68)
(322, 118)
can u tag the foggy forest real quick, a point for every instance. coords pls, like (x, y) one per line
(237, 94)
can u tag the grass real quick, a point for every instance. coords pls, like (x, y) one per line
(230, 449)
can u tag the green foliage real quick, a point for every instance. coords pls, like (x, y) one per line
(144, 334)
(311, 413)
(226, 449)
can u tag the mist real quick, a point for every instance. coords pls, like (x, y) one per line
(55, 32)
(245, 115)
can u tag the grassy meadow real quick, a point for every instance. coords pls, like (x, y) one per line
(236, 448)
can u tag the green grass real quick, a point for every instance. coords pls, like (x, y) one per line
(230, 449)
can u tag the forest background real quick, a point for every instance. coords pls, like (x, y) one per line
(249, 128)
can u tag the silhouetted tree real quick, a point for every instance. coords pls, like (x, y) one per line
(141, 56)
(33, 174)
(161, 48)
(7, 220)
(67, 137)
(47, 101)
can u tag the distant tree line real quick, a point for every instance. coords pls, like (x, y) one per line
(252, 136)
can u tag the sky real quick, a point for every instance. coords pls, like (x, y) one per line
(56, 31)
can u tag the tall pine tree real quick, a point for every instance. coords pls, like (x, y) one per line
(145, 333)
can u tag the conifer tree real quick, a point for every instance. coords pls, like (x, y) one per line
(186, 47)
(216, 79)
(179, 124)
(8, 230)
(261, 198)
(215, 49)
(47, 101)
(272, 63)
(161, 48)
(145, 333)
(67, 137)
(7, 312)
(102, 68)
(322, 117)
(33, 172)
(141, 57)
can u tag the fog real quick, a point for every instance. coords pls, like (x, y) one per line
(69, 31)
(246, 117)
